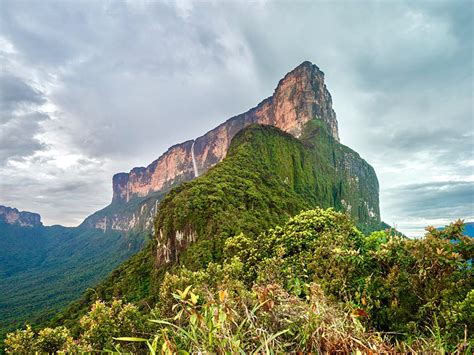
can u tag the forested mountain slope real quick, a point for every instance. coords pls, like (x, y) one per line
(267, 177)
(42, 269)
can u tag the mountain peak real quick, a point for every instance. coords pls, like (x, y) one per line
(307, 65)
(23, 219)
(300, 96)
(305, 72)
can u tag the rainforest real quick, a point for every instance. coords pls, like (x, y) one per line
(245, 260)
(174, 177)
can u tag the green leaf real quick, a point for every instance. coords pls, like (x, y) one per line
(194, 298)
(185, 292)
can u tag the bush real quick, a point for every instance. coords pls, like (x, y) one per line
(48, 340)
(267, 318)
(20, 341)
(315, 284)
(419, 281)
(404, 285)
(105, 322)
(51, 340)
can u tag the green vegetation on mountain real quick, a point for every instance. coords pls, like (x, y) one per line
(45, 268)
(315, 284)
(267, 177)
(221, 276)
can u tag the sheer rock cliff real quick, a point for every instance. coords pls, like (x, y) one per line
(301, 96)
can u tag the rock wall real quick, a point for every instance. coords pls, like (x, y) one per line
(23, 219)
(299, 97)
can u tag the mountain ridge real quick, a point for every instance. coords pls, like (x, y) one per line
(267, 177)
(300, 96)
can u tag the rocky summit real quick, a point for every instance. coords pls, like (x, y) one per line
(23, 219)
(301, 96)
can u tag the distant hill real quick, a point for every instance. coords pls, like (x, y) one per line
(24, 219)
(42, 269)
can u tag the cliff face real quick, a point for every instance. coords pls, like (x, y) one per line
(267, 176)
(22, 219)
(299, 97)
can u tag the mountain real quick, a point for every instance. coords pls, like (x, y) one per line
(247, 175)
(24, 219)
(43, 268)
(267, 176)
(301, 96)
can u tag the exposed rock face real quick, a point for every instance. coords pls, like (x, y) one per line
(22, 219)
(299, 97)
(361, 177)
(137, 214)
(268, 168)
(120, 191)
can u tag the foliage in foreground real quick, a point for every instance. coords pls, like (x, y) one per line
(314, 284)
(267, 177)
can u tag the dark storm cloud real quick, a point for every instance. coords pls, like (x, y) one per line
(127, 79)
(17, 136)
(19, 120)
(14, 93)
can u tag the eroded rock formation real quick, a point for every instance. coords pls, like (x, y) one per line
(299, 97)
(23, 219)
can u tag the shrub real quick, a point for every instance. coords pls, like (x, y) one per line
(315, 284)
(419, 281)
(20, 341)
(105, 322)
(270, 318)
(51, 340)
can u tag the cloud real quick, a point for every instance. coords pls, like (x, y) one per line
(62, 187)
(15, 93)
(17, 136)
(437, 203)
(112, 85)
(20, 120)
(424, 200)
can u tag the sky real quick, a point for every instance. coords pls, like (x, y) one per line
(92, 88)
